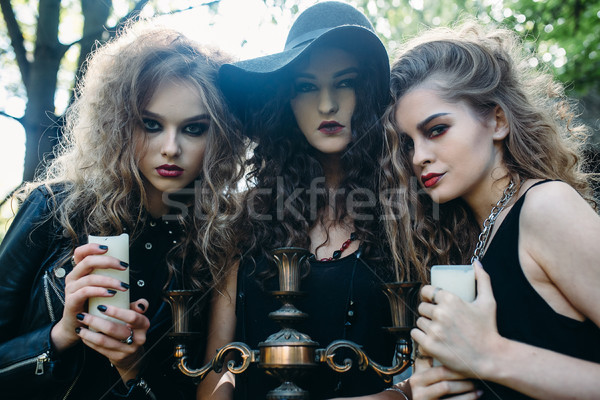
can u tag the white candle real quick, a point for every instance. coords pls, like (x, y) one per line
(457, 279)
(118, 247)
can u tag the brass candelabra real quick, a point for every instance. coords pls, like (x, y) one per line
(287, 354)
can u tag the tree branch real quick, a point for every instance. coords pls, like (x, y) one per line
(16, 40)
(132, 15)
(4, 114)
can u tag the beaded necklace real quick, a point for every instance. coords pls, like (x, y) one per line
(338, 253)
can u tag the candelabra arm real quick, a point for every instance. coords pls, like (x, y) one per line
(248, 356)
(401, 359)
(182, 365)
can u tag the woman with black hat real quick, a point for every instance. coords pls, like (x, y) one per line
(313, 112)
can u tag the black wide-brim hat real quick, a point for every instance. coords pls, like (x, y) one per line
(330, 23)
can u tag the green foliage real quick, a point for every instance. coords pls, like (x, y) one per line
(569, 38)
(564, 34)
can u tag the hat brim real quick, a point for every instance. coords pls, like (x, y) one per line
(238, 80)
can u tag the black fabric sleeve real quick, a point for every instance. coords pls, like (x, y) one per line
(28, 363)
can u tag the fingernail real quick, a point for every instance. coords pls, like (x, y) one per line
(80, 316)
(124, 264)
(111, 291)
(125, 285)
(142, 307)
(77, 330)
(102, 307)
(103, 247)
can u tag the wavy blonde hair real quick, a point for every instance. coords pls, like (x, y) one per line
(484, 67)
(95, 171)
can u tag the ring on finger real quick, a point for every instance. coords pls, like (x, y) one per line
(73, 263)
(435, 291)
(128, 339)
(419, 355)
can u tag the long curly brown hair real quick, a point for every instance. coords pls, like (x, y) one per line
(101, 188)
(485, 68)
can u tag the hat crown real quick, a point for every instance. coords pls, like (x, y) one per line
(322, 17)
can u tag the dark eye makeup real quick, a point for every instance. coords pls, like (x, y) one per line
(347, 83)
(192, 129)
(196, 128)
(304, 87)
(151, 125)
(437, 130)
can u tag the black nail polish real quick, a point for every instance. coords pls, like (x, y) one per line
(111, 291)
(124, 264)
(142, 307)
(102, 307)
(77, 330)
(125, 285)
(80, 316)
(103, 247)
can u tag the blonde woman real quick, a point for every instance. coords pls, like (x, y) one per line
(148, 150)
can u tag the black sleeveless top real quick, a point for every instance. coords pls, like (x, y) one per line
(343, 299)
(522, 314)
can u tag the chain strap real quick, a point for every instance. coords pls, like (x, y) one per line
(489, 222)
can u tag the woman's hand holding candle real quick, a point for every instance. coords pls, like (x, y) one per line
(429, 383)
(459, 334)
(116, 324)
(457, 279)
(80, 285)
(112, 342)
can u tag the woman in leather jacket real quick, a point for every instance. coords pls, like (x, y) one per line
(139, 156)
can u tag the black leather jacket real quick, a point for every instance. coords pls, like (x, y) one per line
(31, 302)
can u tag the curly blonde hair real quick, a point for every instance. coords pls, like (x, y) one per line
(484, 67)
(95, 171)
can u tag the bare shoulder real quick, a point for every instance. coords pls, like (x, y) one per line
(556, 221)
(555, 201)
(558, 226)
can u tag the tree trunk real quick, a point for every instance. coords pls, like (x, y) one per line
(42, 126)
(95, 14)
(39, 119)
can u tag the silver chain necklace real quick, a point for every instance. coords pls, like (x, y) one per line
(489, 222)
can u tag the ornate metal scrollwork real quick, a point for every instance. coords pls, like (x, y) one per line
(247, 355)
(401, 359)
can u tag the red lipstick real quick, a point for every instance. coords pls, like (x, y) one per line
(169, 171)
(431, 179)
(330, 127)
